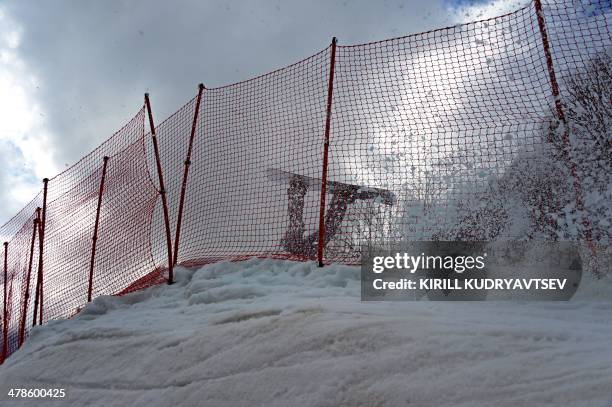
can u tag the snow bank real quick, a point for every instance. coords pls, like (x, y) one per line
(279, 333)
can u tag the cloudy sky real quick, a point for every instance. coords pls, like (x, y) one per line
(72, 71)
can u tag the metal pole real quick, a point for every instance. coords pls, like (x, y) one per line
(561, 115)
(26, 296)
(5, 315)
(162, 191)
(186, 174)
(549, 61)
(330, 92)
(38, 301)
(36, 294)
(96, 226)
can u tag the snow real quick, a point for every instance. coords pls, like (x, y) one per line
(280, 333)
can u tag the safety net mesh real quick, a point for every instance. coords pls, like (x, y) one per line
(452, 134)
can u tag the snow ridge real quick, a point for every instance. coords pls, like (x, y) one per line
(281, 333)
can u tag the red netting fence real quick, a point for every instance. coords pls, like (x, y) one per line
(467, 132)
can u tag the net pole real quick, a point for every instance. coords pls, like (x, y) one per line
(162, 190)
(330, 92)
(37, 281)
(26, 296)
(38, 301)
(96, 228)
(5, 310)
(186, 174)
(588, 234)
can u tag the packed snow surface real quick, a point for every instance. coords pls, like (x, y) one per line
(280, 333)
